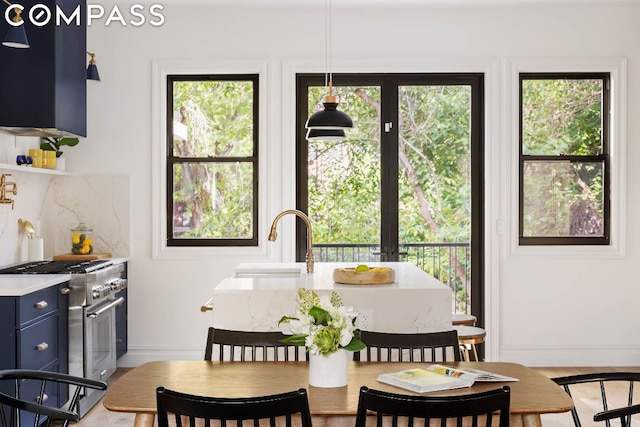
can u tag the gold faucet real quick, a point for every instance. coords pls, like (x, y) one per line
(4, 190)
(305, 218)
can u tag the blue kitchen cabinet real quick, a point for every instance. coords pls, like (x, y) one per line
(34, 335)
(44, 87)
(121, 319)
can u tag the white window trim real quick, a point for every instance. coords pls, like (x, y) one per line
(160, 70)
(617, 67)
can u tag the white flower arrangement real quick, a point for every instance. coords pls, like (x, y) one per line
(322, 324)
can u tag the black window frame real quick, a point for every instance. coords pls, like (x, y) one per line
(603, 157)
(389, 144)
(171, 160)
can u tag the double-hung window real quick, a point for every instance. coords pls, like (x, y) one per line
(564, 159)
(212, 160)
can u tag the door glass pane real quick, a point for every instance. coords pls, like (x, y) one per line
(434, 183)
(344, 180)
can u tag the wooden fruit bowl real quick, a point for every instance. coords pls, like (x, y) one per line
(349, 276)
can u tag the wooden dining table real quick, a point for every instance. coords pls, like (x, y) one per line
(135, 392)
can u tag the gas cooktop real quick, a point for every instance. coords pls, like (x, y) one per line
(55, 267)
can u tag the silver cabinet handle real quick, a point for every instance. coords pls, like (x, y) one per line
(42, 346)
(106, 308)
(42, 399)
(65, 291)
(42, 304)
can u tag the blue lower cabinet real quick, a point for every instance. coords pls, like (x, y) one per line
(29, 391)
(121, 338)
(34, 335)
(121, 324)
(38, 344)
(34, 306)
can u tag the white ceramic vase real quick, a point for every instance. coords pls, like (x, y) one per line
(329, 371)
(36, 249)
(60, 163)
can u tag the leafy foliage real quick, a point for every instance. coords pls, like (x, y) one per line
(54, 144)
(562, 117)
(212, 197)
(322, 324)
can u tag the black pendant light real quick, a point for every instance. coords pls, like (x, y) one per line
(330, 117)
(16, 36)
(326, 135)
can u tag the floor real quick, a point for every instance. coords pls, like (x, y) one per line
(99, 416)
(588, 400)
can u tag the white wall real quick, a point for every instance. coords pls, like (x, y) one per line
(543, 309)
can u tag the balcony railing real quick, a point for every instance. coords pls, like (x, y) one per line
(448, 262)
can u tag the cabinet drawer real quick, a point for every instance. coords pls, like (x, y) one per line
(30, 389)
(37, 304)
(38, 344)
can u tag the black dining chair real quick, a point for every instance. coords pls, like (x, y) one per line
(285, 409)
(478, 409)
(251, 345)
(603, 386)
(396, 347)
(29, 395)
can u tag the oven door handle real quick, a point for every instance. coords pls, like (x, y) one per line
(106, 308)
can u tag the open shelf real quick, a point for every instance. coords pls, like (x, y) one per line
(31, 169)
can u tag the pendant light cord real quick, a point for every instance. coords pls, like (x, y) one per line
(328, 79)
(329, 50)
(326, 46)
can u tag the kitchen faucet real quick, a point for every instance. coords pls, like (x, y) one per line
(4, 190)
(273, 235)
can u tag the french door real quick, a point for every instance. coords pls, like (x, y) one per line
(406, 184)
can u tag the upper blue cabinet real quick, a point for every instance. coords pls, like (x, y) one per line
(43, 88)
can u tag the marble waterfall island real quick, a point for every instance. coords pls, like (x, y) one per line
(260, 294)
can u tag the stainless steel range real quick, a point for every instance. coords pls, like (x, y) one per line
(92, 318)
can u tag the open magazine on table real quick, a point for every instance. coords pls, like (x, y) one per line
(439, 377)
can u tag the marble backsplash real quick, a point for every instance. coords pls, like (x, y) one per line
(57, 203)
(101, 202)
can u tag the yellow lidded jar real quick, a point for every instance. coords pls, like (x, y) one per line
(36, 157)
(49, 159)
